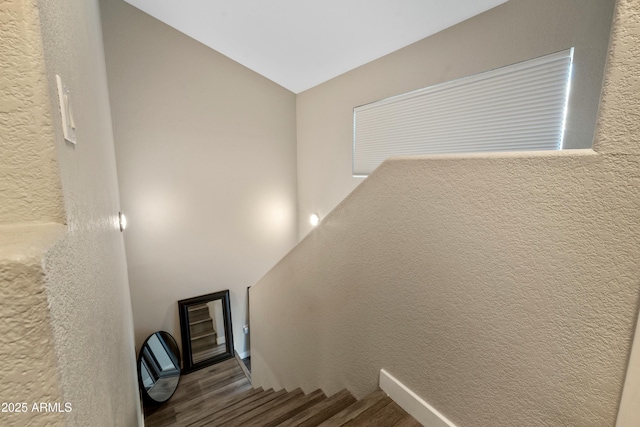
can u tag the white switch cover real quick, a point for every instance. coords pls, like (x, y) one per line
(68, 122)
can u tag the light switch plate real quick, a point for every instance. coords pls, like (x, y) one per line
(66, 110)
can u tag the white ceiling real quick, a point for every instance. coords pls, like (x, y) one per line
(302, 43)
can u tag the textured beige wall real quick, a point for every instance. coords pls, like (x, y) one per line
(65, 317)
(86, 273)
(514, 31)
(619, 132)
(29, 183)
(206, 162)
(29, 193)
(502, 289)
(28, 372)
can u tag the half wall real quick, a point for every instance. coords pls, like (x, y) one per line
(502, 289)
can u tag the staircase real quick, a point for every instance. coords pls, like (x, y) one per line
(221, 395)
(341, 409)
(260, 408)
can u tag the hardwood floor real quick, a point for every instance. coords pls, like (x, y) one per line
(221, 395)
(199, 394)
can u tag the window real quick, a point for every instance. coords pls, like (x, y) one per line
(519, 107)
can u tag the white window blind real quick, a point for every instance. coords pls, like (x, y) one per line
(514, 108)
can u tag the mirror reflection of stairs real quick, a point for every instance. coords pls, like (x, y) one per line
(204, 339)
(221, 395)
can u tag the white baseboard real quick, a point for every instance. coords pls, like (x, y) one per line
(244, 355)
(426, 414)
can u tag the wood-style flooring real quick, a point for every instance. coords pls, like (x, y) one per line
(221, 395)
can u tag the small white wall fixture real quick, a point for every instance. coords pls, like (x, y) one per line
(66, 111)
(520, 107)
(426, 414)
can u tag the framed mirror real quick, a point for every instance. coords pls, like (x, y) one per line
(159, 367)
(207, 335)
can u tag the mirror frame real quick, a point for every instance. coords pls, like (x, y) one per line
(171, 344)
(187, 355)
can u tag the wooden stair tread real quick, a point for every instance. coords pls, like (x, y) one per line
(356, 409)
(286, 410)
(238, 384)
(321, 411)
(407, 421)
(213, 410)
(368, 413)
(247, 406)
(387, 415)
(243, 416)
(234, 408)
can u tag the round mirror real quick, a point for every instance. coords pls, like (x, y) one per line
(159, 367)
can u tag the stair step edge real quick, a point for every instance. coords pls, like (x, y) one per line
(321, 411)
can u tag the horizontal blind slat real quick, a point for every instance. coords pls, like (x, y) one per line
(503, 115)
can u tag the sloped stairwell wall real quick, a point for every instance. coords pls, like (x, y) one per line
(66, 332)
(502, 289)
(31, 217)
